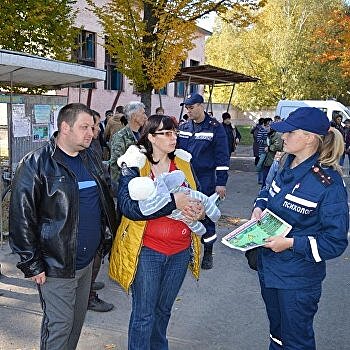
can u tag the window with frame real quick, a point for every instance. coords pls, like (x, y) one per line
(179, 90)
(193, 87)
(163, 91)
(114, 78)
(85, 53)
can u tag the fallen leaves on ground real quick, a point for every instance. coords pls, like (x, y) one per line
(229, 221)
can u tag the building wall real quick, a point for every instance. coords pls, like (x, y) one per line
(101, 99)
(240, 117)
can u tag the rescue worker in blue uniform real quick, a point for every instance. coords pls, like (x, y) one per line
(308, 192)
(205, 138)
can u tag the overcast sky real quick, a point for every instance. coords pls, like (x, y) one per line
(208, 22)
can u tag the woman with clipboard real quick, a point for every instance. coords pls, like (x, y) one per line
(308, 193)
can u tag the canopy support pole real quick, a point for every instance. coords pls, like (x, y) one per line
(229, 102)
(185, 95)
(211, 87)
(160, 99)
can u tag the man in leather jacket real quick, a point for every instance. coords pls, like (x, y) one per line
(61, 213)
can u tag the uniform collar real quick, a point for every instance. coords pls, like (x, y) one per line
(292, 175)
(198, 126)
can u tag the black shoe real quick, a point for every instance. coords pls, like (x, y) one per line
(207, 261)
(99, 305)
(97, 285)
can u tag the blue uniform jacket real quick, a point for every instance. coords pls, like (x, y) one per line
(317, 209)
(207, 142)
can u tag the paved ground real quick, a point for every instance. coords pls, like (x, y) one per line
(222, 311)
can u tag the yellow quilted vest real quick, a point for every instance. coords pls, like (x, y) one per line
(128, 240)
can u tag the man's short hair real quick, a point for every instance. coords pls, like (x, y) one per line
(267, 121)
(70, 112)
(132, 107)
(226, 115)
(108, 113)
(119, 109)
(159, 109)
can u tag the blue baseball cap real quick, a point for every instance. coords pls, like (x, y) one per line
(192, 99)
(305, 118)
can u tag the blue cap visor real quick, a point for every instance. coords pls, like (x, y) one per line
(283, 127)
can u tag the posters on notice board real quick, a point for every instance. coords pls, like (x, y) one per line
(40, 133)
(20, 122)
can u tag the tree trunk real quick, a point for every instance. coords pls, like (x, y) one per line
(146, 99)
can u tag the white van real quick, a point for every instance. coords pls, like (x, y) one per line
(284, 107)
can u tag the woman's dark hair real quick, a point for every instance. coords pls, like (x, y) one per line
(123, 120)
(150, 127)
(95, 115)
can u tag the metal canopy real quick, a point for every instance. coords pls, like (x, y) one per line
(24, 70)
(212, 76)
(208, 75)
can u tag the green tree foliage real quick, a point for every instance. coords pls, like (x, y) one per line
(278, 47)
(39, 27)
(150, 38)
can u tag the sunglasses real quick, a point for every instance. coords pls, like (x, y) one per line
(168, 133)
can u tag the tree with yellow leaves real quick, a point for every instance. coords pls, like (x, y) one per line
(39, 27)
(150, 38)
(281, 46)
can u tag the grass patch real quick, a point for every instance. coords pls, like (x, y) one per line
(247, 137)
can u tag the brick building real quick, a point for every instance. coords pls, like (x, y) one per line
(117, 89)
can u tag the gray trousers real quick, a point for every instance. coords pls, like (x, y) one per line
(64, 302)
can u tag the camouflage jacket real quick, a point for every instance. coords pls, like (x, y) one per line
(119, 143)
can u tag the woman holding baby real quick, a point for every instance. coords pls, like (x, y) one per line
(151, 254)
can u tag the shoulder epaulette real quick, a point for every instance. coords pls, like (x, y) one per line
(320, 175)
(213, 121)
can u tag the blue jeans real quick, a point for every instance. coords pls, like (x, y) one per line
(157, 282)
(265, 172)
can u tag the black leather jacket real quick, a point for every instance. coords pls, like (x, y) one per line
(44, 212)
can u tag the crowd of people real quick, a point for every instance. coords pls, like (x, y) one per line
(71, 208)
